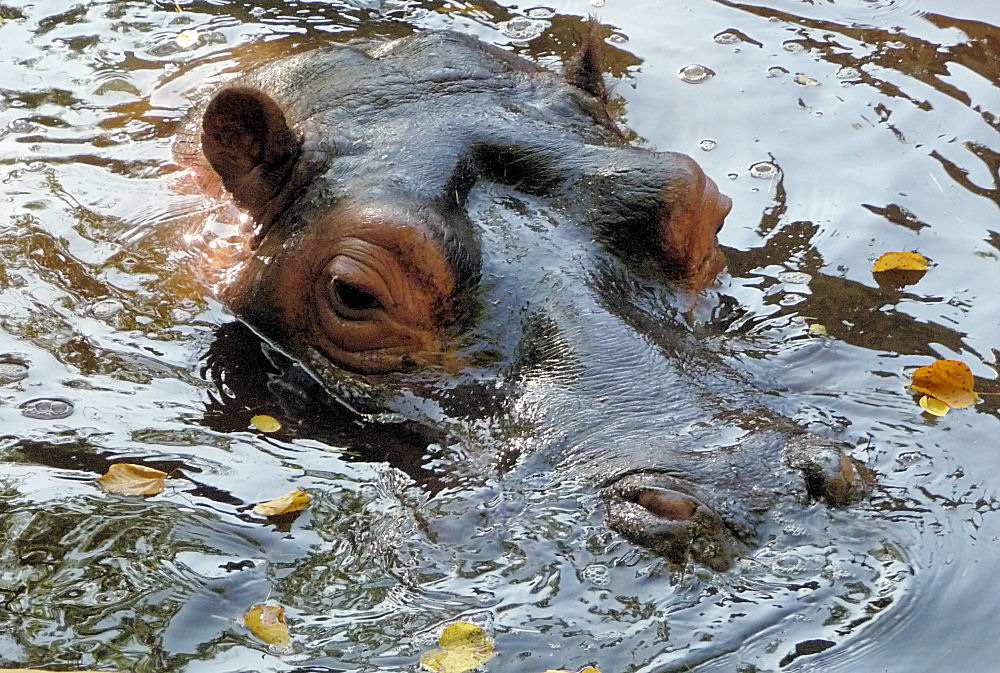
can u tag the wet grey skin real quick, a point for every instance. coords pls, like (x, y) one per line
(563, 248)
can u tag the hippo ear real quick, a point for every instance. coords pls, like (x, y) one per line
(248, 142)
(584, 69)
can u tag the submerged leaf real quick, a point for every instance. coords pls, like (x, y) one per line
(933, 406)
(265, 423)
(949, 381)
(901, 261)
(286, 504)
(131, 479)
(267, 622)
(463, 647)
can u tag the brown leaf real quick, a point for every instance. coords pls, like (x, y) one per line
(131, 479)
(286, 504)
(947, 380)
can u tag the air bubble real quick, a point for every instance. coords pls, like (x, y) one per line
(47, 408)
(794, 277)
(708, 145)
(726, 37)
(522, 28)
(618, 38)
(792, 299)
(21, 126)
(107, 308)
(792, 46)
(776, 71)
(12, 370)
(695, 74)
(765, 170)
(540, 13)
(848, 72)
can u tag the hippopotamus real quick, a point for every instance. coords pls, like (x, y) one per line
(448, 234)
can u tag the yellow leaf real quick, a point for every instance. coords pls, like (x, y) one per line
(267, 622)
(286, 504)
(130, 479)
(933, 406)
(265, 423)
(949, 381)
(186, 38)
(463, 647)
(816, 329)
(901, 261)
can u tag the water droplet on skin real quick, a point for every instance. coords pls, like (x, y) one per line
(707, 145)
(695, 74)
(47, 408)
(540, 13)
(795, 277)
(12, 370)
(725, 37)
(522, 28)
(765, 170)
(776, 71)
(107, 308)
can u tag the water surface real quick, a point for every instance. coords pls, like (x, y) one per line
(841, 129)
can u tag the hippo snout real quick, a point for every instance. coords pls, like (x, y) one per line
(665, 515)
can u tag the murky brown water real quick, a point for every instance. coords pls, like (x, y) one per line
(879, 121)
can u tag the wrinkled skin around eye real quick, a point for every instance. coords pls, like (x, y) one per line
(367, 290)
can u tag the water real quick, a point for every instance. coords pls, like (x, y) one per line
(895, 149)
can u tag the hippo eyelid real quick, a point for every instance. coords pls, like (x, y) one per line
(351, 301)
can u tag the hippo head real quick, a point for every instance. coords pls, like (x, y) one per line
(440, 210)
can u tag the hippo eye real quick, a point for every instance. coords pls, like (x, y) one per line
(352, 298)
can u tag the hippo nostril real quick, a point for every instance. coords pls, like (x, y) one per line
(666, 503)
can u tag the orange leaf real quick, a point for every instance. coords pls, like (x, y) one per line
(267, 622)
(131, 479)
(947, 380)
(286, 504)
(901, 261)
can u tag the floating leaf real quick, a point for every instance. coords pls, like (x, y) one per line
(130, 479)
(286, 504)
(933, 406)
(816, 329)
(267, 622)
(265, 423)
(949, 381)
(186, 38)
(901, 261)
(463, 647)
